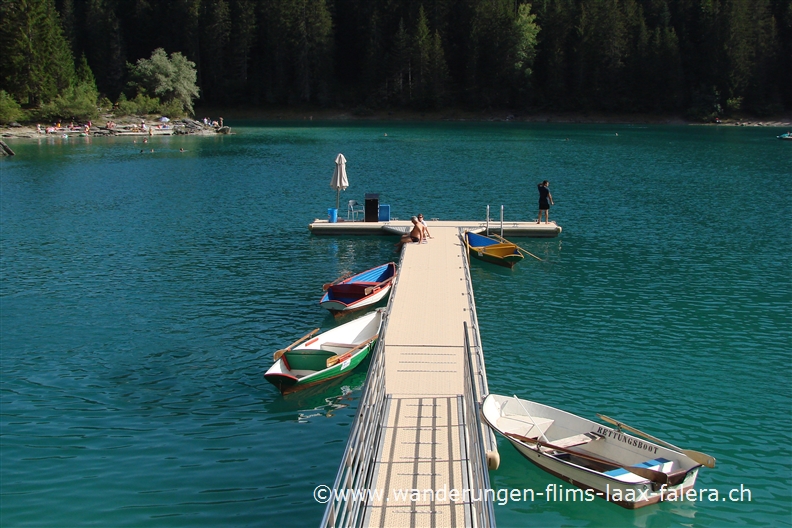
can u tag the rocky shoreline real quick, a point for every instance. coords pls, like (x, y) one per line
(153, 126)
(128, 126)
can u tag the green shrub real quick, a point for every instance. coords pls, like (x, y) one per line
(78, 102)
(142, 104)
(105, 104)
(170, 78)
(172, 109)
(10, 110)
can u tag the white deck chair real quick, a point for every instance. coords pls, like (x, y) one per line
(353, 209)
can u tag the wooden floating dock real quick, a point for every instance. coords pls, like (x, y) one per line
(418, 424)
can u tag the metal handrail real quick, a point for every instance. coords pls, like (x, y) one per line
(490, 442)
(477, 453)
(358, 459)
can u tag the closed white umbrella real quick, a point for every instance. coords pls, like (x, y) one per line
(340, 181)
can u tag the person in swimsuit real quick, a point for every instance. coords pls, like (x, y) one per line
(415, 235)
(424, 227)
(545, 200)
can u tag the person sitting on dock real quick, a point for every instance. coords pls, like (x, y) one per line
(424, 227)
(415, 235)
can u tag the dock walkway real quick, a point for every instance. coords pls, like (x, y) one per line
(417, 427)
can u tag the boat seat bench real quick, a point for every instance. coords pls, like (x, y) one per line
(658, 464)
(348, 289)
(576, 440)
(330, 345)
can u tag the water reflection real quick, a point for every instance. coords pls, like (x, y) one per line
(322, 400)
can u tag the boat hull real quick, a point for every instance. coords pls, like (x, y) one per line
(306, 364)
(360, 291)
(629, 496)
(287, 383)
(493, 251)
(338, 306)
(485, 255)
(590, 456)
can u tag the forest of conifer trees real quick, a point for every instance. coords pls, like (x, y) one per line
(698, 58)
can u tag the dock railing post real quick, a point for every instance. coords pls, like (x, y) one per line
(501, 221)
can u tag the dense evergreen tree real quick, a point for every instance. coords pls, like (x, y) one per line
(422, 51)
(241, 41)
(697, 56)
(400, 82)
(37, 62)
(215, 36)
(103, 44)
(555, 52)
(525, 32)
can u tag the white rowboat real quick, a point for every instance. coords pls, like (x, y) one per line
(601, 461)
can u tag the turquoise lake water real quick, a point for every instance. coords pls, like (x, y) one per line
(143, 295)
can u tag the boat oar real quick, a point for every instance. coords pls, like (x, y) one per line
(278, 353)
(702, 458)
(649, 474)
(325, 287)
(371, 289)
(518, 247)
(332, 360)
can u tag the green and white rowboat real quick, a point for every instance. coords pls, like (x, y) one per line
(329, 355)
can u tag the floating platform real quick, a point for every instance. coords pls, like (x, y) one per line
(398, 227)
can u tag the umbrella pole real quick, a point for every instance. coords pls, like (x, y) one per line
(338, 197)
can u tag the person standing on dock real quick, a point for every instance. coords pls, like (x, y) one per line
(545, 200)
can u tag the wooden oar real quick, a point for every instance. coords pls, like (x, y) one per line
(325, 287)
(702, 458)
(368, 291)
(278, 353)
(649, 474)
(518, 247)
(332, 360)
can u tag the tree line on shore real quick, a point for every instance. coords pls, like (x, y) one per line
(702, 58)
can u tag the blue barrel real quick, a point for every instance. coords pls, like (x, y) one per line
(384, 213)
(332, 215)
